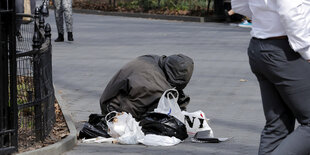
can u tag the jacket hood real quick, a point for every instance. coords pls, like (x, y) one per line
(178, 69)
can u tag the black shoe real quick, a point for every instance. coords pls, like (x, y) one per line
(227, 17)
(70, 36)
(19, 36)
(60, 38)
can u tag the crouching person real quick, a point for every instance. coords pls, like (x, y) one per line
(137, 87)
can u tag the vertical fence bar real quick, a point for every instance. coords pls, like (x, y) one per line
(3, 79)
(41, 22)
(48, 123)
(44, 8)
(47, 30)
(41, 26)
(13, 83)
(4, 76)
(36, 67)
(8, 108)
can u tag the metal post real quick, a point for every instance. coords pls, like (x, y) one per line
(13, 83)
(12, 106)
(36, 36)
(44, 9)
(41, 22)
(47, 30)
(3, 80)
(47, 57)
(8, 127)
(41, 27)
(36, 73)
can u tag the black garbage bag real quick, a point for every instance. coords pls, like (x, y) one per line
(90, 131)
(162, 124)
(93, 119)
(96, 126)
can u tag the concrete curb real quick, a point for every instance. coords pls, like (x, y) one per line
(64, 145)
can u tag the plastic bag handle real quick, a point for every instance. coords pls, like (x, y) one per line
(106, 116)
(167, 92)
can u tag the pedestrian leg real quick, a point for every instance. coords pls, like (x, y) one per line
(68, 18)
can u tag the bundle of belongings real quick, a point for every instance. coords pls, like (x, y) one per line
(144, 103)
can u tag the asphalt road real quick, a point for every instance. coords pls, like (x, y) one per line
(222, 84)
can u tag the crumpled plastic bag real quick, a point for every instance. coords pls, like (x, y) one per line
(168, 104)
(95, 127)
(124, 128)
(158, 140)
(196, 122)
(162, 124)
(89, 131)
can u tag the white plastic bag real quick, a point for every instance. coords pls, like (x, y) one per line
(124, 128)
(168, 104)
(158, 140)
(195, 122)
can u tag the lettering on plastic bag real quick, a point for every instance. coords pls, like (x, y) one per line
(195, 122)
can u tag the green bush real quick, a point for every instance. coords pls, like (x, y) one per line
(170, 7)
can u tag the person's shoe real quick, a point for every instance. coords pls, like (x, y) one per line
(70, 36)
(227, 17)
(246, 24)
(19, 36)
(60, 38)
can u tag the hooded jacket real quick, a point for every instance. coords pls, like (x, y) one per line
(137, 87)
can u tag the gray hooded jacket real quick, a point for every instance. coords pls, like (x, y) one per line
(137, 87)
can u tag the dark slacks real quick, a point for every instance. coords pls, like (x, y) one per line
(284, 79)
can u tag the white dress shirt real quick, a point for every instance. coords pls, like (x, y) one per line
(273, 18)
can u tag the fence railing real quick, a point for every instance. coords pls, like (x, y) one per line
(27, 112)
(35, 92)
(8, 106)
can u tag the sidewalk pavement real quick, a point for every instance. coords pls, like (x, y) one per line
(222, 84)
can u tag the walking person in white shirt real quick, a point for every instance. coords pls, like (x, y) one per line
(279, 56)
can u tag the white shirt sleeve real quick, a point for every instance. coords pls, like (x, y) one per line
(305, 53)
(293, 14)
(241, 7)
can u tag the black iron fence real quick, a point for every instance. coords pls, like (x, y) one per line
(27, 112)
(8, 106)
(35, 92)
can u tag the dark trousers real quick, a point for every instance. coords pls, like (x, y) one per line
(284, 79)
